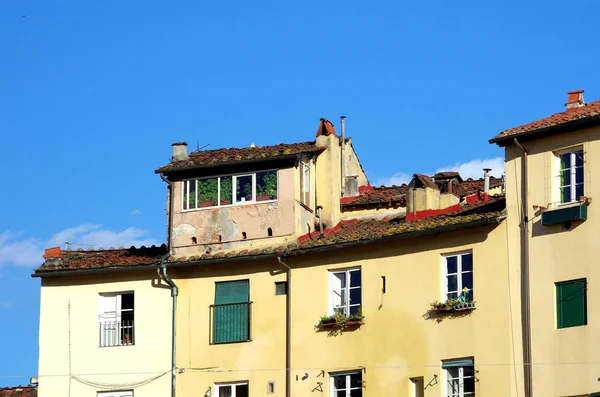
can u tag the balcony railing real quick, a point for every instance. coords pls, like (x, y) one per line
(116, 333)
(230, 322)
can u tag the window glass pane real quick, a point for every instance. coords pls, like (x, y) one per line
(224, 391)
(266, 186)
(355, 278)
(340, 393)
(469, 385)
(579, 175)
(226, 190)
(241, 391)
(579, 158)
(356, 392)
(565, 177)
(243, 188)
(207, 192)
(468, 371)
(467, 262)
(185, 195)
(451, 263)
(355, 296)
(565, 194)
(452, 283)
(578, 191)
(192, 196)
(467, 280)
(339, 382)
(565, 161)
(354, 309)
(341, 278)
(356, 380)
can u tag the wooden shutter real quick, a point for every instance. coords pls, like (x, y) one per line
(571, 303)
(231, 312)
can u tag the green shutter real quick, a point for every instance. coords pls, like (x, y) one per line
(231, 312)
(571, 303)
(463, 362)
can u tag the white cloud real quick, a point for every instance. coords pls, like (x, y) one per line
(471, 169)
(17, 249)
(135, 212)
(474, 168)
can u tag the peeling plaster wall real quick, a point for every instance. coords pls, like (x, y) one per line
(229, 223)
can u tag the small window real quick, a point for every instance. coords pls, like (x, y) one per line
(232, 390)
(345, 293)
(305, 185)
(459, 277)
(270, 232)
(460, 377)
(570, 175)
(417, 387)
(270, 387)
(128, 393)
(266, 186)
(571, 303)
(281, 288)
(116, 319)
(346, 384)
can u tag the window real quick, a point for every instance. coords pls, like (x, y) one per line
(460, 377)
(231, 312)
(347, 384)
(417, 387)
(345, 291)
(281, 287)
(115, 394)
(232, 390)
(226, 190)
(305, 186)
(459, 277)
(571, 303)
(570, 175)
(115, 319)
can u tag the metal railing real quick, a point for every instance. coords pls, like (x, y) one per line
(230, 322)
(116, 333)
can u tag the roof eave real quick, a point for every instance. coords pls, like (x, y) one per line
(569, 126)
(301, 251)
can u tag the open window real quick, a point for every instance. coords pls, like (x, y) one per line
(116, 319)
(345, 293)
(570, 179)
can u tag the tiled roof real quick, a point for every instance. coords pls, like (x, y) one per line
(420, 181)
(232, 155)
(447, 175)
(369, 195)
(472, 186)
(19, 391)
(570, 116)
(346, 232)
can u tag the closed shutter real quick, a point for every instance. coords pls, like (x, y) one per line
(571, 303)
(231, 312)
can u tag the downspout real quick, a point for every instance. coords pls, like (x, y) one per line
(343, 165)
(525, 292)
(288, 329)
(162, 274)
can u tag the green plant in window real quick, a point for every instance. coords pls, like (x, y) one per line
(207, 192)
(226, 190)
(267, 184)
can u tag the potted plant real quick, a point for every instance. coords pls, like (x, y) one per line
(127, 339)
(340, 320)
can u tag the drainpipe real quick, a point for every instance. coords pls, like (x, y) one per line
(162, 274)
(343, 166)
(288, 329)
(320, 216)
(414, 203)
(525, 293)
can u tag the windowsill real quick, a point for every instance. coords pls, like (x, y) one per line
(230, 343)
(245, 203)
(348, 324)
(461, 307)
(123, 345)
(566, 205)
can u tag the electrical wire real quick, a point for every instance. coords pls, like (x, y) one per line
(112, 386)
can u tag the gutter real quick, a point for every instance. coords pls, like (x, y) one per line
(288, 329)
(323, 248)
(570, 126)
(525, 293)
(162, 274)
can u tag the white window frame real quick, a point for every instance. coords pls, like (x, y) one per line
(232, 385)
(185, 190)
(123, 393)
(417, 386)
(461, 381)
(345, 291)
(305, 171)
(459, 273)
(573, 180)
(333, 391)
(112, 337)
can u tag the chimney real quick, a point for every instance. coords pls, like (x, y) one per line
(575, 99)
(486, 183)
(180, 151)
(52, 253)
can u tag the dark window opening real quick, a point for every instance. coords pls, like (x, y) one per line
(270, 232)
(194, 240)
(244, 235)
(220, 238)
(281, 288)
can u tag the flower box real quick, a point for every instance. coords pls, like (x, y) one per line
(207, 203)
(333, 324)
(453, 306)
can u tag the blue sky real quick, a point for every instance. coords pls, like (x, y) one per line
(92, 94)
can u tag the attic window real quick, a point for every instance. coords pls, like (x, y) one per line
(226, 190)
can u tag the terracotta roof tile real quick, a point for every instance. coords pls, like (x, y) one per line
(376, 196)
(325, 128)
(233, 155)
(352, 231)
(19, 391)
(588, 111)
(472, 186)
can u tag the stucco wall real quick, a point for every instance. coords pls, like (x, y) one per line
(206, 225)
(565, 361)
(69, 315)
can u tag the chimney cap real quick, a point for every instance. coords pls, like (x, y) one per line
(487, 169)
(575, 92)
(575, 99)
(179, 144)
